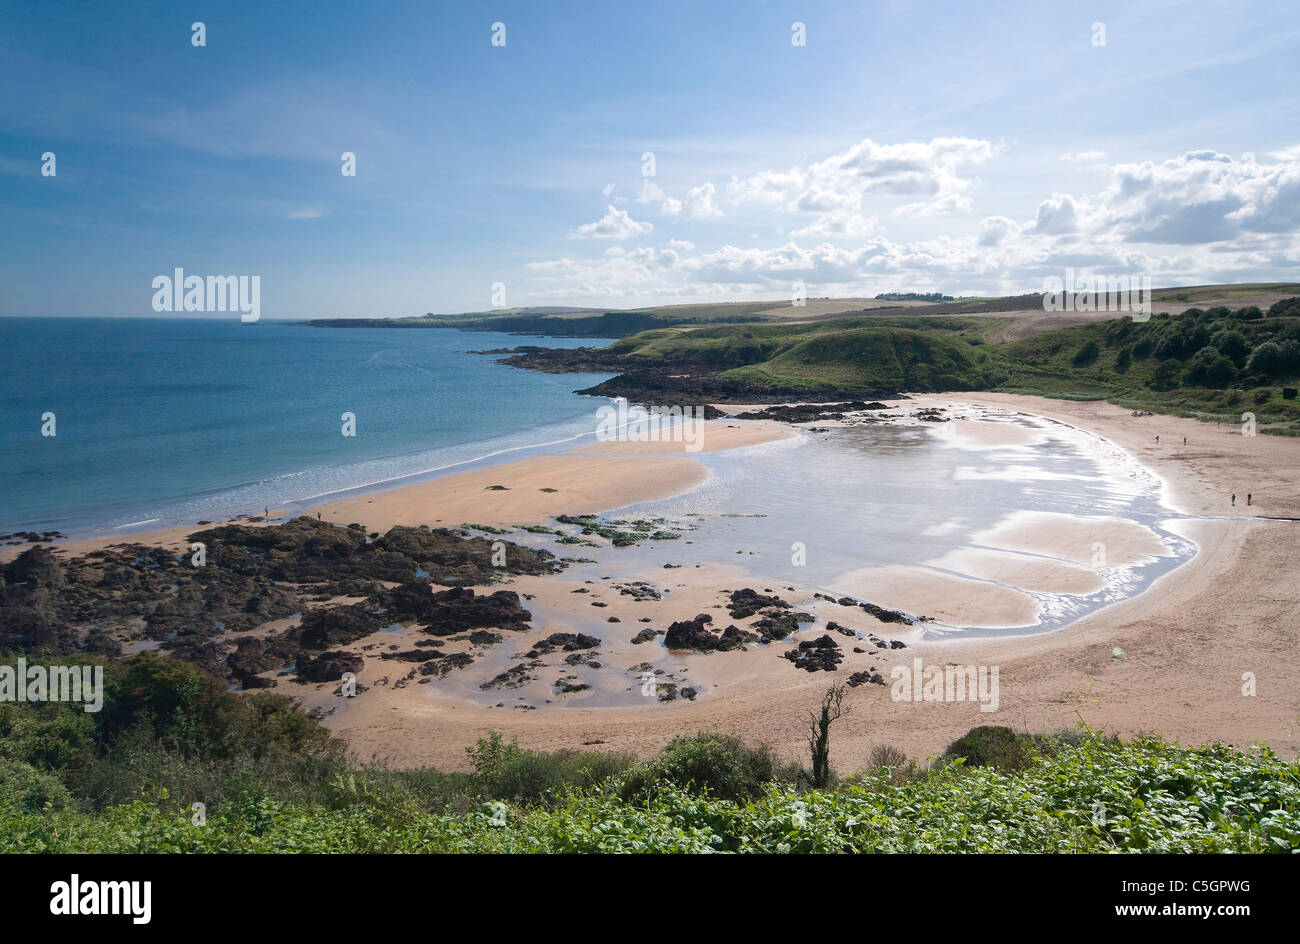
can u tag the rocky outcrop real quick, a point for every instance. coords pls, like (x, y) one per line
(746, 602)
(327, 666)
(814, 655)
(694, 635)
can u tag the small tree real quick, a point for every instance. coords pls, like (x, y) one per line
(819, 735)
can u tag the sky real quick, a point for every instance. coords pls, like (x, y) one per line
(617, 155)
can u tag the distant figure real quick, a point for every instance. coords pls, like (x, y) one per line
(1157, 439)
(266, 512)
(1234, 499)
(1249, 497)
(1184, 440)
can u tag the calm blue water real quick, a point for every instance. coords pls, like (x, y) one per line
(171, 421)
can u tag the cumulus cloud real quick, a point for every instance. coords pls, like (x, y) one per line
(615, 224)
(1200, 217)
(698, 204)
(924, 173)
(996, 230)
(1202, 197)
(1057, 215)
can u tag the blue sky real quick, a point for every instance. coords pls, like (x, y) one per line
(970, 148)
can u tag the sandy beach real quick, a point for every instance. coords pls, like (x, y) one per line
(1187, 642)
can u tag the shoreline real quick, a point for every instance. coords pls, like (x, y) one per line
(1175, 634)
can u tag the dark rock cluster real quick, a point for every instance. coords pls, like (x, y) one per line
(820, 654)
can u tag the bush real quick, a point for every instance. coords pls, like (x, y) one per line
(720, 765)
(892, 764)
(992, 746)
(1166, 375)
(24, 789)
(1086, 354)
(1209, 368)
(510, 772)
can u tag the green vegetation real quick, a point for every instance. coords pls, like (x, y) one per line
(271, 780)
(1208, 363)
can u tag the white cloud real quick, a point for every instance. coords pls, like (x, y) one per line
(838, 224)
(615, 224)
(1198, 218)
(995, 230)
(1201, 197)
(698, 205)
(836, 187)
(1057, 215)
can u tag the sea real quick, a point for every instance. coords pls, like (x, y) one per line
(157, 422)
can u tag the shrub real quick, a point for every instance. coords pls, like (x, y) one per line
(893, 763)
(1086, 355)
(24, 789)
(992, 746)
(1209, 368)
(510, 772)
(719, 764)
(1166, 375)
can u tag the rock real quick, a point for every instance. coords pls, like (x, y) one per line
(336, 626)
(821, 654)
(567, 642)
(746, 602)
(775, 626)
(327, 666)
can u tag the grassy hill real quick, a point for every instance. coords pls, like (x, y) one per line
(1211, 363)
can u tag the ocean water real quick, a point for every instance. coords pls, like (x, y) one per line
(171, 421)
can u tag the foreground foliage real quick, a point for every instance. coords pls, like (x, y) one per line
(1091, 796)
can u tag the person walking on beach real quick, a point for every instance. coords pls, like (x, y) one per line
(1157, 440)
(1249, 497)
(1234, 499)
(1184, 440)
